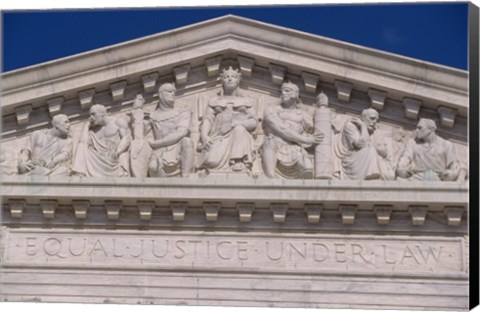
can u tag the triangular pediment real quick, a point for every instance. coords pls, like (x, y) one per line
(242, 195)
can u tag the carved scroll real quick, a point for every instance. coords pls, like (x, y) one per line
(323, 151)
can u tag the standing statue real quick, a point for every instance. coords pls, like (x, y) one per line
(286, 127)
(103, 146)
(361, 154)
(49, 152)
(226, 141)
(173, 149)
(428, 156)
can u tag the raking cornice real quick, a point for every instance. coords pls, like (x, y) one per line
(331, 59)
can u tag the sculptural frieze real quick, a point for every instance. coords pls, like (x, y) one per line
(290, 140)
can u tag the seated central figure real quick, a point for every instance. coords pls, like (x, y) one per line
(226, 141)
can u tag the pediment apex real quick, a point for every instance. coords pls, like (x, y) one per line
(252, 46)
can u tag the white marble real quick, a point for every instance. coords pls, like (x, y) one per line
(169, 225)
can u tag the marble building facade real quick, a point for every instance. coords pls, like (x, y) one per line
(233, 162)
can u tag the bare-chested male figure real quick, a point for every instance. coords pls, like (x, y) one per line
(103, 143)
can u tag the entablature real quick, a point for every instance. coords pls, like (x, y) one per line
(237, 203)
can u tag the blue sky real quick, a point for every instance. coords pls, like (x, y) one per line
(432, 32)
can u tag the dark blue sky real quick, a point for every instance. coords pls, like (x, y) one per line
(432, 32)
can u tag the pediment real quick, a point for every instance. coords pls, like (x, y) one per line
(228, 232)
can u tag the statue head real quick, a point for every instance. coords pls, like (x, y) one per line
(425, 128)
(290, 93)
(230, 79)
(370, 118)
(166, 95)
(61, 124)
(321, 100)
(98, 114)
(138, 102)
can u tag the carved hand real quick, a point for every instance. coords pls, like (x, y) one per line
(404, 172)
(25, 166)
(382, 150)
(51, 163)
(207, 144)
(448, 175)
(360, 143)
(316, 138)
(357, 122)
(153, 144)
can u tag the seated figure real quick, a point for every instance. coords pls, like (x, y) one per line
(172, 148)
(287, 130)
(428, 156)
(103, 144)
(361, 154)
(226, 141)
(49, 151)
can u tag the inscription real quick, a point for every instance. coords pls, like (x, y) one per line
(312, 254)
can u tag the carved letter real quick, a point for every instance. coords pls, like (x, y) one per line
(325, 256)
(195, 242)
(115, 250)
(70, 247)
(242, 250)
(385, 256)
(140, 252)
(31, 244)
(357, 250)
(98, 247)
(179, 248)
(54, 247)
(160, 255)
(430, 252)
(407, 253)
(339, 251)
(219, 253)
(268, 252)
(303, 255)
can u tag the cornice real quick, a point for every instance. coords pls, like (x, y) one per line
(308, 200)
(297, 51)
